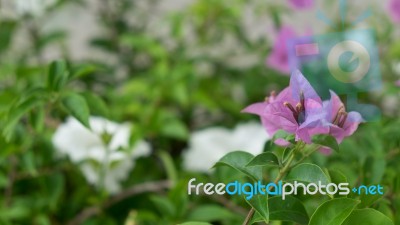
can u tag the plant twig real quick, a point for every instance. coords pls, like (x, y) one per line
(154, 186)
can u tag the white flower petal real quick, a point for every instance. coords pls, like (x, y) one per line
(207, 146)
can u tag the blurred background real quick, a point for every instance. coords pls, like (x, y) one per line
(160, 84)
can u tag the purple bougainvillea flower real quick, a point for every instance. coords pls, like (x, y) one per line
(301, 4)
(394, 10)
(279, 58)
(297, 110)
(397, 83)
(341, 123)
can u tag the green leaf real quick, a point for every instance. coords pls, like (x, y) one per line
(238, 160)
(374, 169)
(337, 177)
(264, 159)
(37, 119)
(84, 70)
(307, 173)
(210, 213)
(16, 113)
(334, 212)
(260, 204)
(96, 104)
(169, 166)
(57, 75)
(174, 128)
(77, 107)
(327, 141)
(290, 209)
(164, 205)
(367, 217)
(6, 33)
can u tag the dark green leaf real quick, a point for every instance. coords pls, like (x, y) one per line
(77, 107)
(290, 209)
(238, 160)
(16, 113)
(264, 159)
(6, 33)
(260, 204)
(307, 173)
(368, 199)
(57, 75)
(164, 205)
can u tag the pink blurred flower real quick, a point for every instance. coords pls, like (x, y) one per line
(301, 4)
(279, 59)
(394, 10)
(297, 110)
(397, 83)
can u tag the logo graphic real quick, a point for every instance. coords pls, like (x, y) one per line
(280, 189)
(346, 62)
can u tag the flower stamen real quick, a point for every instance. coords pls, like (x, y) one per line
(343, 119)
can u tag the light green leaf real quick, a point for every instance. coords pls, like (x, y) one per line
(96, 104)
(238, 160)
(195, 223)
(307, 173)
(260, 203)
(367, 217)
(209, 213)
(175, 129)
(77, 107)
(264, 159)
(334, 212)
(83, 70)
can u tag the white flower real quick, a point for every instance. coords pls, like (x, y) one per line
(32, 7)
(86, 146)
(207, 146)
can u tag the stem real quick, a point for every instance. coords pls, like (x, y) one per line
(281, 174)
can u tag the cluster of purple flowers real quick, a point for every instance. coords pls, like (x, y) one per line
(300, 111)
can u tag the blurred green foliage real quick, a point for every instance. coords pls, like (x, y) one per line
(167, 89)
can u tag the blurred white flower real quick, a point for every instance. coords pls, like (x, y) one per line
(32, 7)
(101, 164)
(207, 146)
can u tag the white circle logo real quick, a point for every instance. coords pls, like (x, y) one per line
(358, 52)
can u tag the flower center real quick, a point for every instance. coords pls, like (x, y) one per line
(299, 111)
(341, 117)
